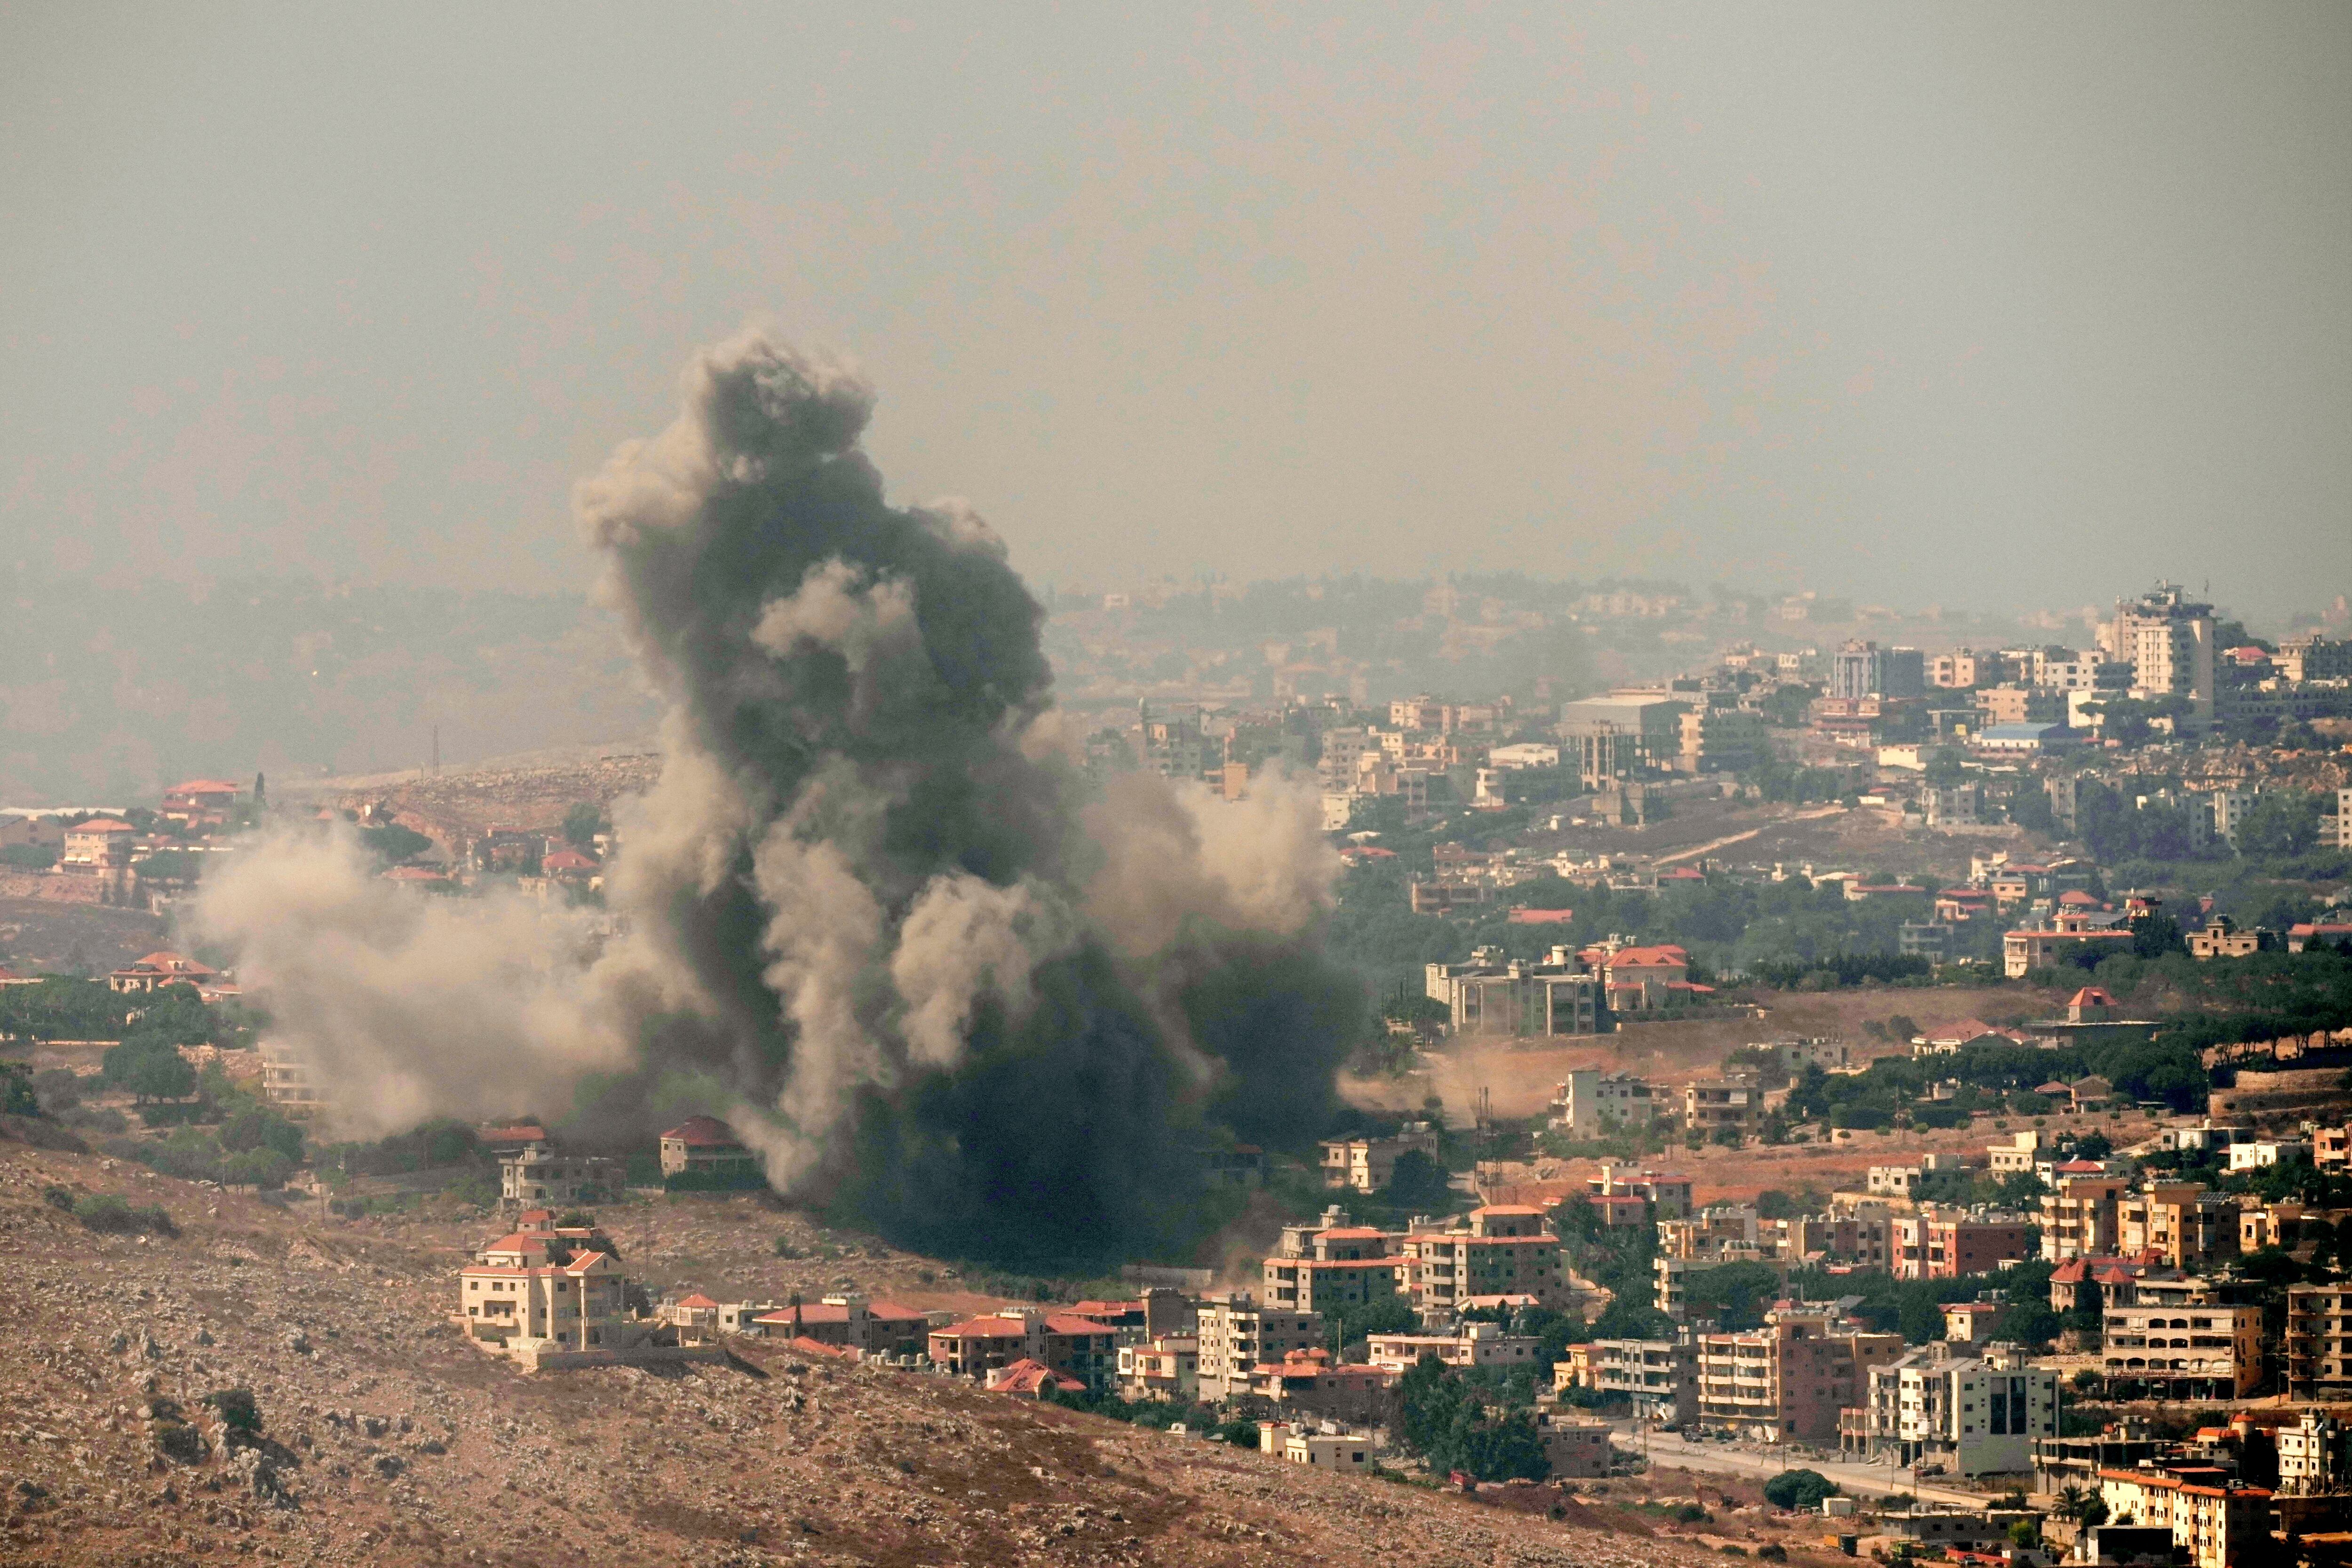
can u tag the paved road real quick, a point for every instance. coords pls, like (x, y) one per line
(1763, 1462)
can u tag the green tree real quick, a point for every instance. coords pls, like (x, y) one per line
(1799, 1489)
(2283, 822)
(1418, 1184)
(582, 822)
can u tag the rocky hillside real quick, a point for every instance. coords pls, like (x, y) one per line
(384, 1438)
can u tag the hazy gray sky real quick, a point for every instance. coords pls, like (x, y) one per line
(1978, 305)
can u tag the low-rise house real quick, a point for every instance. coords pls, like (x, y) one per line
(2215, 1522)
(2255, 1156)
(2314, 1456)
(1075, 1347)
(1300, 1444)
(2095, 1284)
(1473, 1344)
(1029, 1379)
(704, 1146)
(158, 970)
(2021, 1154)
(2331, 1147)
(1577, 1446)
(1667, 1195)
(2223, 938)
(1315, 1382)
(850, 1321)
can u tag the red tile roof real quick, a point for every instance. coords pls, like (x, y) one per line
(699, 1302)
(101, 824)
(703, 1133)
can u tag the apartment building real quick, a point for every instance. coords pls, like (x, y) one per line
(1237, 1332)
(1502, 1249)
(1944, 1244)
(1493, 995)
(542, 1173)
(2167, 639)
(2191, 1228)
(544, 1289)
(1342, 1267)
(1710, 1107)
(2314, 1456)
(2188, 1348)
(1366, 1164)
(1666, 1193)
(2319, 1338)
(1978, 1414)
(2082, 1217)
(1788, 1380)
(1592, 1103)
(2217, 1524)
(1657, 1377)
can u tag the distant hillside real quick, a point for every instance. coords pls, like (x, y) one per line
(108, 694)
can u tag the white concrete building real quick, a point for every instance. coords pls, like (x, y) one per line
(1590, 1103)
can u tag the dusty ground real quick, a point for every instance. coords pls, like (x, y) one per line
(1864, 839)
(389, 1440)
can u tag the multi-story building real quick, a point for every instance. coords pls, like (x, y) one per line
(1333, 1268)
(2217, 1524)
(1366, 1164)
(1789, 1379)
(2167, 639)
(2020, 1155)
(1979, 1413)
(1492, 994)
(287, 1082)
(2315, 657)
(2319, 1338)
(1502, 1249)
(1166, 1369)
(2082, 1217)
(540, 1173)
(1238, 1333)
(1710, 1107)
(2314, 1456)
(1667, 1195)
(2193, 1350)
(1075, 1347)
(1591, 1103)
(1649, 721)
(1657, 1377)
(1721, 740)
(848, 1319)
(545, 1288)
(1944, 1244)
(2193, 1229)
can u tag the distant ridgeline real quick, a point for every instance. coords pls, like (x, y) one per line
(111, 691)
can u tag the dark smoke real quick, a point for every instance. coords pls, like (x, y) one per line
(867, 892)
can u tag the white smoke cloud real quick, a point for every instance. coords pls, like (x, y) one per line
(403, 1004)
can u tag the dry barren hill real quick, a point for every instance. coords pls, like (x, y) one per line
(386, 1439)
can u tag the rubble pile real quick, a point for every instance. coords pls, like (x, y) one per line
(276, 1386)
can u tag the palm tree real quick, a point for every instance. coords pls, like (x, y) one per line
(2074, 1502)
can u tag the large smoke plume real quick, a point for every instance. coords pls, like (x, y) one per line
(869, 906)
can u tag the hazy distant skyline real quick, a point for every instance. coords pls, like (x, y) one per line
(1990, 306)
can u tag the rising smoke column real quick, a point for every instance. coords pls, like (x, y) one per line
(864, 891)
(867, 912)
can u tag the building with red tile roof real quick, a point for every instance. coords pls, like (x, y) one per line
(1032, 1380)
(1075, 1347)
(160, 969)
(851, 1322)
(704, 1146)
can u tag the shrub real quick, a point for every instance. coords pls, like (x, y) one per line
(238, 1412)
(110, 1215)
(57, 1197)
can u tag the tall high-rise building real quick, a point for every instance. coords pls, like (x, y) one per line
(1857, 670)
(2167, 639)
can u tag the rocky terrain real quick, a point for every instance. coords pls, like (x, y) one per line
(385, 1438)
